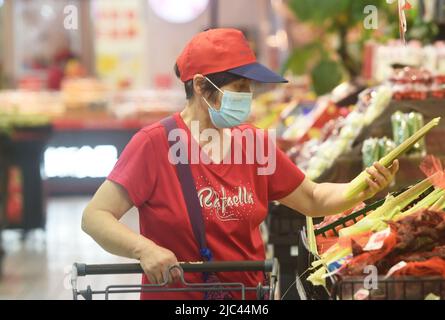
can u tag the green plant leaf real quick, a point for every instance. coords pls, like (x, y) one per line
(320, 10)
(300, 58)
(326, 75)
(302, 9)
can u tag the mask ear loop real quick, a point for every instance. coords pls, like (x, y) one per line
(208, 104)
(214, 85)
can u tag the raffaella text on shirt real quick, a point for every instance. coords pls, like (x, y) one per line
(220, 201)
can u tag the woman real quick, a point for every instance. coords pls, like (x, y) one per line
(217, 68)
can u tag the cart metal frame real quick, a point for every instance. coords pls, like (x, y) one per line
(268, 266)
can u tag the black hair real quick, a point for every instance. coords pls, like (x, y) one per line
(220, 79)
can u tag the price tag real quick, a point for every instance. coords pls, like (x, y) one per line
(361, 294)
(400, 265)
(377, 240)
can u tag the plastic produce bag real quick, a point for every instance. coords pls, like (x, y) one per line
(415, 122)
(374, 149)
(370, 152)
(400, 129)
(405, 125)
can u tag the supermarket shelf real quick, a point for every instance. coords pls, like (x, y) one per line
(348, 166)
(104, 123)
(430, 109)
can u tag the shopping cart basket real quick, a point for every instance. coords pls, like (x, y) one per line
(393, 288)
(262, 291)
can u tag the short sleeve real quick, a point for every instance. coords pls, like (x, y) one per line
(285, 179)
(135, 170)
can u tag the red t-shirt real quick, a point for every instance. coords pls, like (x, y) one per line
(233, 197)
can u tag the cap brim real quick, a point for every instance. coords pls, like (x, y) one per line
(258, 72)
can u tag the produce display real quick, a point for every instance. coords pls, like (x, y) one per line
(331, 219)
(419, 237)
(79, 93)
(382, 58)
(9, 121)
(277, 107)
(23, 102)
(438, 87)
(337, 251)
(142, 103)
(412, 247)
(341, 252)
(403, 237)
(296, 114)
(324, 242)
(411, 83)
(319, 154)
(84, 99)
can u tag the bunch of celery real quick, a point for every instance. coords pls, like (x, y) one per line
(359, 184)
(439, 205)
(376, 221)
(429, 201)
(388, 210)
(312, 242)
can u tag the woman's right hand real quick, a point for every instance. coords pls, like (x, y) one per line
(101, 221)
(155, 261)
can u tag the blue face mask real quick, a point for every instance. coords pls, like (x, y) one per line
(235, 108)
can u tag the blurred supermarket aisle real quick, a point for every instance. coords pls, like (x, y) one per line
(39, 267)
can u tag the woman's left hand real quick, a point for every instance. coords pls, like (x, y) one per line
(380, 178)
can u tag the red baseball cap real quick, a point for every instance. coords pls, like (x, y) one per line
(223, 50)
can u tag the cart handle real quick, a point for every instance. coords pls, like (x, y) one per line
(82, 269)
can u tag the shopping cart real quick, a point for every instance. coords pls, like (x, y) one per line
(269, 291)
